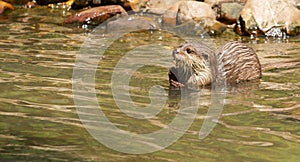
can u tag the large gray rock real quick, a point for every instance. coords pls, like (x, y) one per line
(269, 17)
(227, 11)
(231, 10)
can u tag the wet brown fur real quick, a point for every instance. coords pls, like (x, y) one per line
(197, 65)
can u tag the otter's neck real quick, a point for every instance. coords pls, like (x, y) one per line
(194, 73)
(202, 74)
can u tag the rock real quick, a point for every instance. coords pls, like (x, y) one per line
(231, 10)
(269, 18)
(5, 5)
(131, 23)
(169, 18)
(193, 18)
(202, 15)
(50, 3)
(160, 6)
(47, 2)
(192, 28)
(197, 11)
(170, 15)
(153, 6)
(31, 4)
(79, 4)
(217, 2)
(17, 2)
(227, 11)
(296, 3)
(95, 15)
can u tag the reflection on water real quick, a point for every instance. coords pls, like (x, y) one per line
(259, 122)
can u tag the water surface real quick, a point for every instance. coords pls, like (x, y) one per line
(39, 122)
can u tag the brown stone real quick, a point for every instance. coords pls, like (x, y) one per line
(169, 18)
(170, 15)
(4, 5)
(96, 14)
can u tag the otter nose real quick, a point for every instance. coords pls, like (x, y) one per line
(175, 52)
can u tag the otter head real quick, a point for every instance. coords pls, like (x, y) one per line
(192, 63)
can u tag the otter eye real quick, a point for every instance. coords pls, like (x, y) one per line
(189, 51)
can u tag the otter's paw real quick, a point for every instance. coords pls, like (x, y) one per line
(176, 84)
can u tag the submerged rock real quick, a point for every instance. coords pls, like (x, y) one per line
(95, 15)
(269, 18)
(132, 23)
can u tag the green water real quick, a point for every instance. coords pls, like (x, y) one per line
(39, 122)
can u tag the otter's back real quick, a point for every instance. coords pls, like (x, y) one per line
(238, 62)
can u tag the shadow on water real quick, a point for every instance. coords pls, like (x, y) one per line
(39, 122)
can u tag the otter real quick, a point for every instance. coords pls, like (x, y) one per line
(198, 65)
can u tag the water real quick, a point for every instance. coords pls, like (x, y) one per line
(39, 121)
